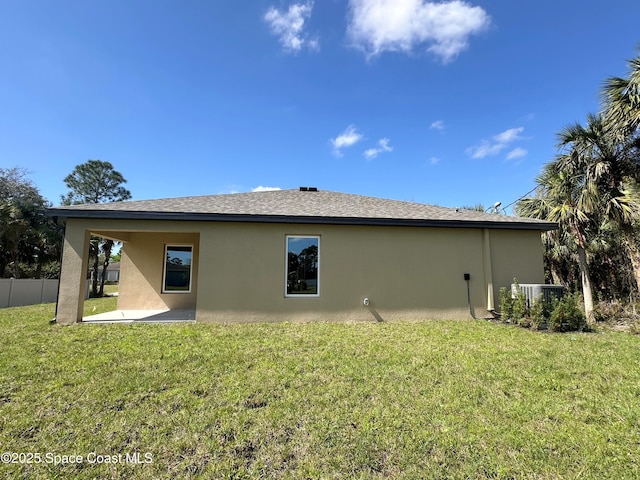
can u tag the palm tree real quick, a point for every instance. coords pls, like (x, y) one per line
(613, 279)
(559, 253)
(621, 101)
(610, 171)
(621, 113)
(562, 198)
(12, 228)
(106, 247)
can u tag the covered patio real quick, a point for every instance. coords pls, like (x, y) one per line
(154, 286)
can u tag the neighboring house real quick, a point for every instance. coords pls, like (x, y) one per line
(113, 272)
(301, 255)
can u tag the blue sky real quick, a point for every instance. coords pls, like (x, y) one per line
(451, 103)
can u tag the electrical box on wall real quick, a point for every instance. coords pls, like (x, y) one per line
(467, 276)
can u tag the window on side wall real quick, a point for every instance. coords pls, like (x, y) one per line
(176, 277)
(303, 266)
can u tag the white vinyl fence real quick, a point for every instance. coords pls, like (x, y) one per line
(16, 292)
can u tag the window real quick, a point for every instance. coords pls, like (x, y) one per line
(177, 269)
(303, 261)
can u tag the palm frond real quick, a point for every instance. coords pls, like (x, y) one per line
(621, 101)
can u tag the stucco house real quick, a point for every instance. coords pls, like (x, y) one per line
(301, 255)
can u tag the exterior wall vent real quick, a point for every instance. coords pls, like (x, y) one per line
(532, 291)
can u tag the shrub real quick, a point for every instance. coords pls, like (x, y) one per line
(616, 312)
(519, 308)
(609, 312)
(634, 327)
(566, 315)
(537, 313)
(506, 304)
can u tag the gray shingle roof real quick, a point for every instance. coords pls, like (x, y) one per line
(295, 206)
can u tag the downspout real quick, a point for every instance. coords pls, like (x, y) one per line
(488, 271)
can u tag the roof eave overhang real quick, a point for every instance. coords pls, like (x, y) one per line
(297, 219)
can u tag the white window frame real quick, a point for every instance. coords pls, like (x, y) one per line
(286, 268)
(167, 246)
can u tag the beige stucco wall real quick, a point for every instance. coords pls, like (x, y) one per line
(516, 253)
(239, 269)
(141, 272)
(405, 272)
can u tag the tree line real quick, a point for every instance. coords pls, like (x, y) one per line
(592, 190)
(31, 242)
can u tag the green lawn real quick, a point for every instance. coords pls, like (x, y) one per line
(110, 289)
(467, 399)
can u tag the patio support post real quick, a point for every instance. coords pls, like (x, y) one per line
(73, 275)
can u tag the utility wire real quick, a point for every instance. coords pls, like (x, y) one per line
(520, 198)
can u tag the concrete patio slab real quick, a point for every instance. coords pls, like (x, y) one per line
(142, 316)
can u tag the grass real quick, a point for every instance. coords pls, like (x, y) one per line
(467, 399)
(110, 289)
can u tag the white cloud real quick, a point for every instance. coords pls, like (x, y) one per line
(377, 26)
(508, 136)
(437, 125)
(383, 146)
(517, 152)
(346, 139)
(289, 26)
(434, 160)
(265, 189)
(485, 149)
(497, 143)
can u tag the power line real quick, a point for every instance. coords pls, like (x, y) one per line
(521, 197)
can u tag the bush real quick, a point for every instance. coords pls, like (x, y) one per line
(619, 314)
(561, 315)
(608, 312)
(566, 315)
(538, 313)
(506, 304)
(634, 327)
(47, 270)
(616, 312)
(519, 308)
(515, 309)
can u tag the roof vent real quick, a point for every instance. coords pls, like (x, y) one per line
(308, 189)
